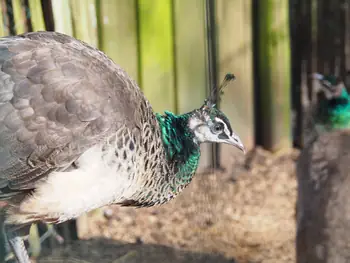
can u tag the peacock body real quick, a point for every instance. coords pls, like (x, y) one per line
(323, 209)
(76, 133)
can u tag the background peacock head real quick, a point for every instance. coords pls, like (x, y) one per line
(331, 87)
(333, 101)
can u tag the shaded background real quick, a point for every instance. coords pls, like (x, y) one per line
(177, 50)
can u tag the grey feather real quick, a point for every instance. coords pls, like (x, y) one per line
(58, 97)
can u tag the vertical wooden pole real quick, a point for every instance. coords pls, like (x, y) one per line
(211, 48)
(84, 17)
(3, 26)
(347, 35)
(118, 33)
(19, 16)
(191, 64)
(234, 36)
(48, 15)
(156, 53)
(274, 74)
(36, 15)
(62, 16)
(301, 59)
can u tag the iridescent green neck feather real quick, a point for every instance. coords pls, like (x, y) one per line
(335, 113)
(180, 147)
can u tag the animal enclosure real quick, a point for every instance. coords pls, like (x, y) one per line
(269, 45)
(177, 50)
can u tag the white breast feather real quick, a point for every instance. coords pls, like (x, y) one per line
(94, 184)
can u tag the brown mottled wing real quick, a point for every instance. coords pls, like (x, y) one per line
(58, 97)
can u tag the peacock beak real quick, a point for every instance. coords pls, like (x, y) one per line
(317, 76)
(234, 140)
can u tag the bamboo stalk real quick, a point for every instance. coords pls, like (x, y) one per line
(19, 16)
(84, 17)
(62, 16)
(274, 74)
(34, 241)
(36, 16)
(4, 30)
(190, 62)
(156, 53)
(235, 55)
(118, 33)
(2, 26)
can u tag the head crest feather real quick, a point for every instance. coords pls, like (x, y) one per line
(215, 94)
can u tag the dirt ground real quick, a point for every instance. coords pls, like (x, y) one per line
(244, 214)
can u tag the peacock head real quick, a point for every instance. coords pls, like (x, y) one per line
(331, 87)
(332, 102)
(209, 124)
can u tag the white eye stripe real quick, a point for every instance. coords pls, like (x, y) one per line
(220, 120)
(225, 125)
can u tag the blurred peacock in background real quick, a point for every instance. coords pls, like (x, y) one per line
(77, 133)
(323, 169)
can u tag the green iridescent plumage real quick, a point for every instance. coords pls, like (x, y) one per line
(331, 79)
(338, 111)
(179, 144)
(335, 113)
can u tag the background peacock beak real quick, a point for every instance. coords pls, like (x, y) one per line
(317, 76)
(234, 140)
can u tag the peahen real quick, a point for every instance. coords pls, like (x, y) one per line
(323, 173)
(77, 133)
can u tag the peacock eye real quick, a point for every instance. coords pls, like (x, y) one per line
(218, 127)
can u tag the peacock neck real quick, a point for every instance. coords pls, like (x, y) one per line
(335, 113)
(182, 152)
